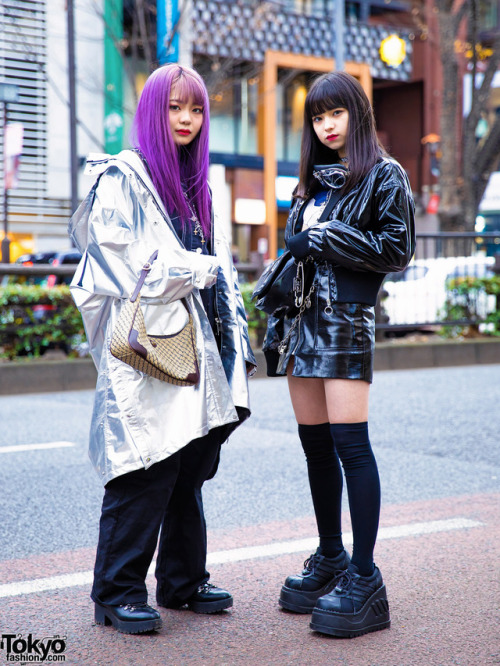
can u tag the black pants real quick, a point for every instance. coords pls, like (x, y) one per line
(135, 507)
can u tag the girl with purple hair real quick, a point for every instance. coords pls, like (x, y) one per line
(154, 444)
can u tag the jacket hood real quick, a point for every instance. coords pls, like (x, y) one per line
(97, 164)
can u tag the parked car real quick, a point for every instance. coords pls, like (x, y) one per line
(27, 328)
(55, 258)
(418, 294)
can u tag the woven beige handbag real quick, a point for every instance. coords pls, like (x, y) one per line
(171, 358)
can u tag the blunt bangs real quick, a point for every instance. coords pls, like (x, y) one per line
(324, 97)
(189, 87)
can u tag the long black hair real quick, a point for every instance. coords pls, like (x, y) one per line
(363, 149)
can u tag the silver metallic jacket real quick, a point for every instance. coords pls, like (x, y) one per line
(370, 232)
(137, 420)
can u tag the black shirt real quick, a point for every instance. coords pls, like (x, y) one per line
(193, 242)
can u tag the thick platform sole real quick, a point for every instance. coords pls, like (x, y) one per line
(210, 606)
(374, 616)
(299, 601)
(106, 617)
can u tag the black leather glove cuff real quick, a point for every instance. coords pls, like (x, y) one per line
(299, 245)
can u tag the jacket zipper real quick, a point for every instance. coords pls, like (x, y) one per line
(218, 320)
(328, 310)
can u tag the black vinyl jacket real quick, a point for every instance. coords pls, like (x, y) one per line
(370, 232)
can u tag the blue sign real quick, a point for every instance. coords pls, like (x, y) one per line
(285, 186)
(167, 34)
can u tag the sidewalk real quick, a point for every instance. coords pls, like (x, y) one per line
(442, 594)
(60, 374)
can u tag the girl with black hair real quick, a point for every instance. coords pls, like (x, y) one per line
(352, 219)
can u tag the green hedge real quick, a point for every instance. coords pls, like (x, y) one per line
(463, 297)
(257, 320)
(23, 333)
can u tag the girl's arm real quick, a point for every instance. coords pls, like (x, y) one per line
(386, 248)
(116, 250)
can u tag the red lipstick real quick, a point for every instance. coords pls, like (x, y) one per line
(184, 132)
(332, 137)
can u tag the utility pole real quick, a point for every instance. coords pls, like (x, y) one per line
(72, 106)
(5, 240)
(339, 18)
(8, 93)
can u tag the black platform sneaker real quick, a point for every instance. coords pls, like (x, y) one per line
(320, 575)
(356, 606)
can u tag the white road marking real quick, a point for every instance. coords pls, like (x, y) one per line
(35, 447)
(248, 553)
(310, 545)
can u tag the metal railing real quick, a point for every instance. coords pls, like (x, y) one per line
(421, 298)
(414, 299)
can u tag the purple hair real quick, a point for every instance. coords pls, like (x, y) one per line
(171, 165)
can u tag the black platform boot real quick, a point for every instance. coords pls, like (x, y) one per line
(357, 605)
(320, 575)
(134, 618)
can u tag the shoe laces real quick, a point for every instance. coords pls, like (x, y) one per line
(132, 607)
(345, 581)
(310, 564)
(203, 589)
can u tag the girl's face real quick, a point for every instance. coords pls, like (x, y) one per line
(186, 118)
(331, 129)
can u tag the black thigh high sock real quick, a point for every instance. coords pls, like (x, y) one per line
(363, 488)
(325, 480)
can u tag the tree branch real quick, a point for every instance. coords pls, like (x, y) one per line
(489, 151)
(479, 102)
(484, 91)
(461, 13)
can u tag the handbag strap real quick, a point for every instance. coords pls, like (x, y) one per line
(145, 270)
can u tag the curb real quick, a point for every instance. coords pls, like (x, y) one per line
(78, 374)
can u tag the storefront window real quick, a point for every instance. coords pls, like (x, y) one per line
(234, 100)
(489, 17)
(292, 90)
(233, 93)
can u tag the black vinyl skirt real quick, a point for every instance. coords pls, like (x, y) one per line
(336, 342)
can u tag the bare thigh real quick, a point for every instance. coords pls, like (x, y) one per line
(308, 399)
(316, 400)
(347, 400)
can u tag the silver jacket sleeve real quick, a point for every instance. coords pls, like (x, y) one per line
(117, 250)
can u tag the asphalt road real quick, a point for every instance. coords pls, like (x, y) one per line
(435, 435)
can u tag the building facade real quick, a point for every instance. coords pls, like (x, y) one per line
(257, 58)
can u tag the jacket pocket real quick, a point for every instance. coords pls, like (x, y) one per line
(340, 326)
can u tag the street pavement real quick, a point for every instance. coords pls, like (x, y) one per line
(435, 435)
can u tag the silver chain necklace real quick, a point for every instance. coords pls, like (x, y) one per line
(198, 229)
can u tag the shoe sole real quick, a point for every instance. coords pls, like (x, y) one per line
(207, 607)
(299, 601)
(374, 616)
(137, 627)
